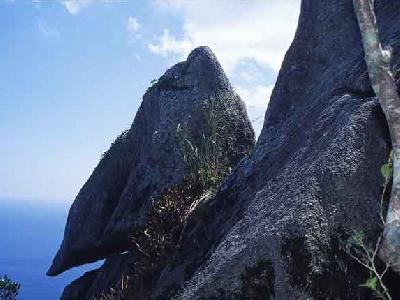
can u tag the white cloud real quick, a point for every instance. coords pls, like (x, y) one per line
(75, 6)
(259, 29)
(45, 28)
(168, 44)
(239, 32)
(133, 24)
(133, 28)
(257, 95)
(256, 98)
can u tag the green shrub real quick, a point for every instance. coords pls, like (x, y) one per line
(366, 254)
(203, 156)
(8, 289)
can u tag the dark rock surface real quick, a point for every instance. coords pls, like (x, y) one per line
(97, 283)
(311, 180)
(147, 159)
(277, 226)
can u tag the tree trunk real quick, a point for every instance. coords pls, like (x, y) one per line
(383, 83)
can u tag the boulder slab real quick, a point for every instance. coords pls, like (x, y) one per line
(147, 158)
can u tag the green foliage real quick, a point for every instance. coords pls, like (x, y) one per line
(203, 158)
(198, 161)
(155, 244)
(387, 169)
(153, 82)
(118, 140)
(357, 239)
(371, 282)
(8, 289)
(366, 254)
(387, 173)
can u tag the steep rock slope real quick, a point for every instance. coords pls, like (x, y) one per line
(192, 103)
(279, 224)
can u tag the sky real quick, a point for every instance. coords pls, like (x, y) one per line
(73, 73)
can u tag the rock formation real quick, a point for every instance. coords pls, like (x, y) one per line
(192, 103)
(287, 211)
(278, 224)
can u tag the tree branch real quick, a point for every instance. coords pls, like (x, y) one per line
(383, 83)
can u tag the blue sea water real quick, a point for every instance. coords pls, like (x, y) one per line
(30, 234)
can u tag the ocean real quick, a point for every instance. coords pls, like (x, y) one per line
(30, 234)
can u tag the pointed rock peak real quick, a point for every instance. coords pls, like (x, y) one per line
(202, 52)
(149, 159)
(203, 59)
(201, 69)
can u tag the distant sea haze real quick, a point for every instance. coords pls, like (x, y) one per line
(30, 234)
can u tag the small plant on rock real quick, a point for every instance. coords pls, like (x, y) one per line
(8, 289)
(367, 254)
(203, 158)
(154, 245)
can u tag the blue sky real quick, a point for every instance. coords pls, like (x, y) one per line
(73, 74)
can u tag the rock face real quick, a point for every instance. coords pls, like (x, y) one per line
(185, 105)
(97, 283)
(277, 226)
(286, 212)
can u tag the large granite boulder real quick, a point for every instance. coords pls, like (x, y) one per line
(191, 103)
(279, 225)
